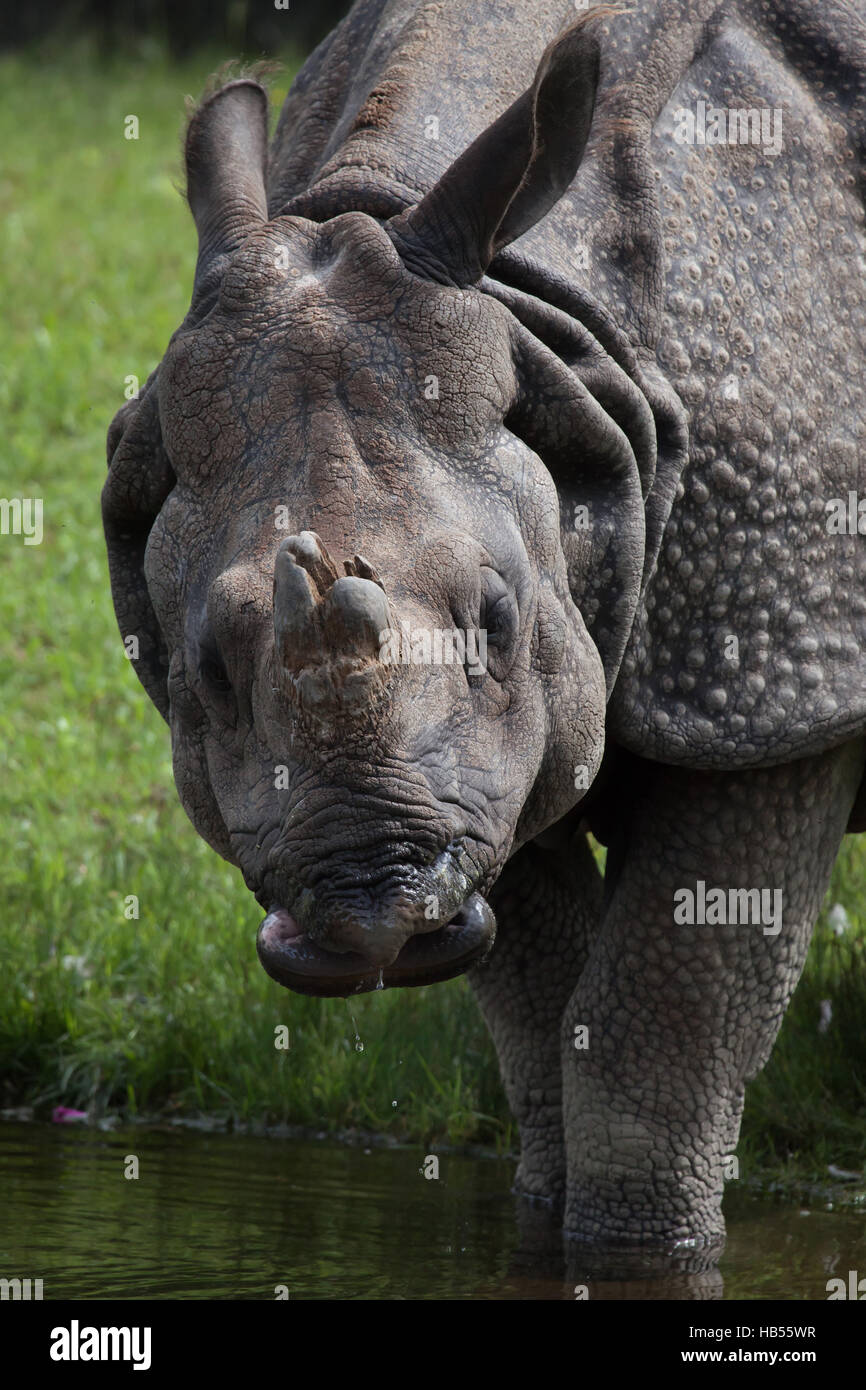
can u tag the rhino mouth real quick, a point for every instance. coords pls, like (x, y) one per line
(292, 959)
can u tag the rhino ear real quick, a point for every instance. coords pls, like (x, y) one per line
(226, 158)
(513, 174)
(139, 480)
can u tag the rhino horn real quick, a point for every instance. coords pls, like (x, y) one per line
(295, 634)
(355, 615)
(362, 569)
(318, 617)
(226, 155)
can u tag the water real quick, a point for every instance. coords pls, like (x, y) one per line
(213, 1216)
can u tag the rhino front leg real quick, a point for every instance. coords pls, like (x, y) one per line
(548, 906)
(680, 1016)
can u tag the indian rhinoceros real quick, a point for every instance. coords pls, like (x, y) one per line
(500, 486)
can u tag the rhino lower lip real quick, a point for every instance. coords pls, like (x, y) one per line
(290, 958)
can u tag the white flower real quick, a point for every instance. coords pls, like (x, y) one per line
(838, 919)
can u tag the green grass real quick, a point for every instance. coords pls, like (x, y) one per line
(171, 1012)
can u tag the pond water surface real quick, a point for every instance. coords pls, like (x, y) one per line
(216, 1216)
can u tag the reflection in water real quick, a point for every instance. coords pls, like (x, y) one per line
(216, 1216)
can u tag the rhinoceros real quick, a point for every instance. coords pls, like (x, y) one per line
(500, 487)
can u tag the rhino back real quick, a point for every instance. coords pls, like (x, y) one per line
(751, 641)
(739, 273)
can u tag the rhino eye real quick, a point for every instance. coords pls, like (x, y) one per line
(499, 620)
(211, 667)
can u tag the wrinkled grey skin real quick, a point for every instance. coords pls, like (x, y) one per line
(337, 277)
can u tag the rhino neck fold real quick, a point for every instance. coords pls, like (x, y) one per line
(563, 318)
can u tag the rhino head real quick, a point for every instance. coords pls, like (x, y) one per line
(334, 527)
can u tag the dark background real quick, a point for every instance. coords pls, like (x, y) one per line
(248, 26)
